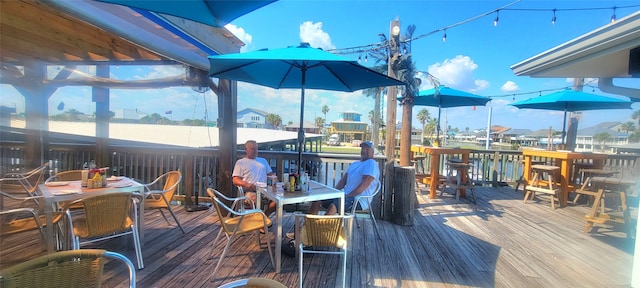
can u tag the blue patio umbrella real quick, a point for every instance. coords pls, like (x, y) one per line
(570, 100)
(300, 67)
(215, 13)
(445, 97)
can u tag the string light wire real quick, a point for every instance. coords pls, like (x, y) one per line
(385, 44)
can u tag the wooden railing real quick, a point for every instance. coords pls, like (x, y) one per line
(146, 163)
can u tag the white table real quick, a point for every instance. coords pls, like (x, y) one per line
(74, 190)
(317, 191)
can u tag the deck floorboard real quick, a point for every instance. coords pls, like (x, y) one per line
(498, 242)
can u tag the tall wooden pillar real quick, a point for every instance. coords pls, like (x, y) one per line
(227, 114)
(36, 100)
(100, 96)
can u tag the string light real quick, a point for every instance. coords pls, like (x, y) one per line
(384, 44)
(366, 58)
(613, 17)
(359, 58)
(444, 37)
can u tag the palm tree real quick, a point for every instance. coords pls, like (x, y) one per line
(628, 126)
(407, 74)
(274, 120)
(319, 122)
(376, 93)
(423, 116)
(602, 138)
(431, 127)
(636, 115)
(325, 109)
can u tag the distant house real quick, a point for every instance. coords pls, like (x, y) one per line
(349, 127)
(253, 118)
(307, 126)
(586, 143)
(416, 134)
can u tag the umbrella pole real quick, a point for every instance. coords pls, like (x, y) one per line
(301, 129)
(564, 125)
(438, 127)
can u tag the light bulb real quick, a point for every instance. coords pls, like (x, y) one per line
(495, 21)
(444, 37)
(366, 58)
(613, 17)
(553, 20)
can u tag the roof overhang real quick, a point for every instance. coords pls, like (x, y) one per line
(602, 53)
(89, 32)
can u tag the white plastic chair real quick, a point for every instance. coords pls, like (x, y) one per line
(367, 199)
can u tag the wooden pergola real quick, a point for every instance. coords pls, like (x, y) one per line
(35, 35)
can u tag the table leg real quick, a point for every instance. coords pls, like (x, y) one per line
(526, 172)
(49, 229)
(278, 247)
(565, 173)
(435, 167)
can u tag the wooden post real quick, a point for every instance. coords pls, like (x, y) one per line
(404, 198)
(387, 192)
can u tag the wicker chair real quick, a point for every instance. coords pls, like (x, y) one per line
(237, 223)
(160, 198)
(326, 234)
(254, 283)
(368, 198)
(71, 175)
(106, 216)
(18, 183)
(75, 268)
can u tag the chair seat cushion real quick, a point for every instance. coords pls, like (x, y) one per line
(25, 224)
(81, 229)
(249, 223)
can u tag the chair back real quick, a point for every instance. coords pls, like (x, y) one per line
(24, 182)
(108, 213)
(222, 209)
(254, 282)
(70, 175)
(171, 180)
(73, 268)
(325, 231)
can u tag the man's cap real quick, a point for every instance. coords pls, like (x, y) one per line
(367, 144)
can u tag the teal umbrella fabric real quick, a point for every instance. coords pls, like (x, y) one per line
(445, 97)
(571, 101)
(300, 67)
(215, 13)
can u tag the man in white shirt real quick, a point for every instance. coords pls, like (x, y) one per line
(250, 170)
(360, 178)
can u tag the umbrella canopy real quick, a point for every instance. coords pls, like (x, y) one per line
(570, 100)
(215, 13)
(445, 97)
(298, 67)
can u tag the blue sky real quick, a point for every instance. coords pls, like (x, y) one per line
(476, 58)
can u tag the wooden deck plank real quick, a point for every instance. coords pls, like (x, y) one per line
(499, 242)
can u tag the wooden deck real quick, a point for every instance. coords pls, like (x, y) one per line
(500, 242)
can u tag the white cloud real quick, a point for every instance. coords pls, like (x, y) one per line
(239, 32)
(458, 73)
(509, 86)
(313, 34)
